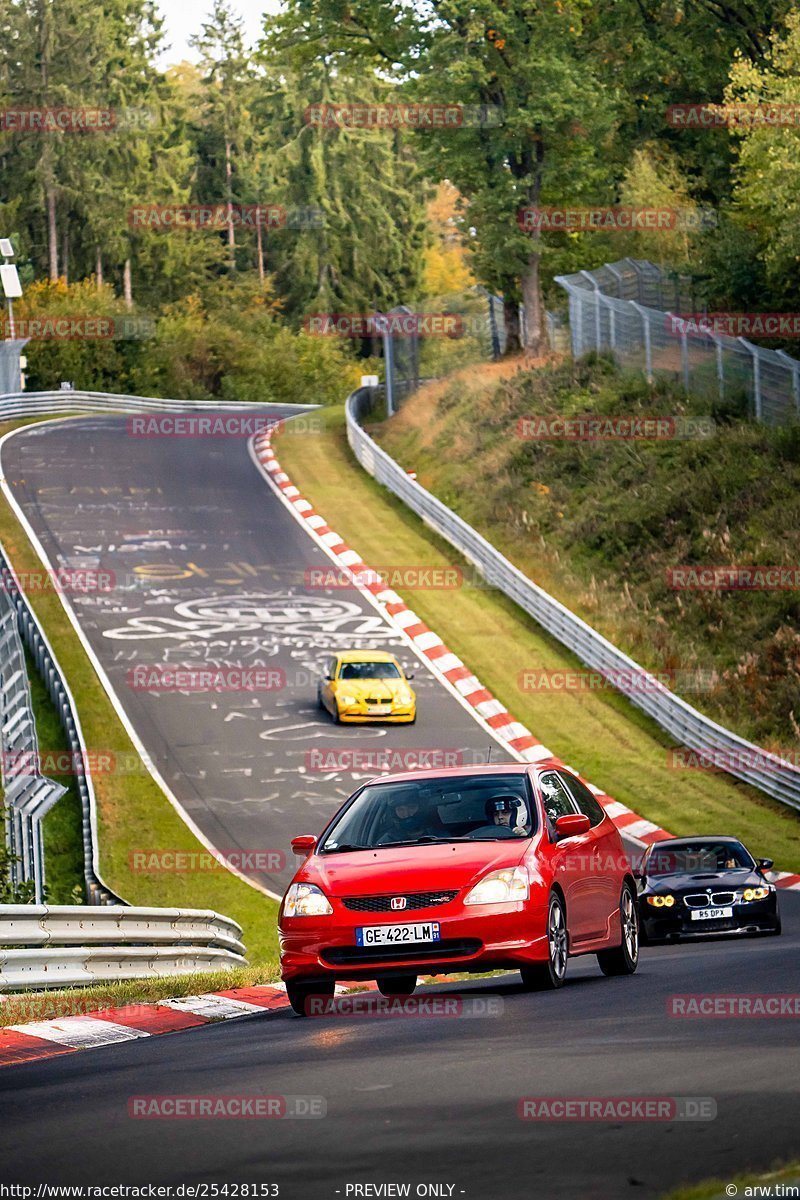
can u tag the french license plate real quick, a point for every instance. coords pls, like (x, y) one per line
(378, 710)
(711, 914)
(397, 935)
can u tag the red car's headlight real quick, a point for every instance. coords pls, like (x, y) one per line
(501, 887)
(306, 900)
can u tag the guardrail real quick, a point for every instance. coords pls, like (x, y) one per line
(28, 795)
(43, 946)
(32, 404)
(746, 761)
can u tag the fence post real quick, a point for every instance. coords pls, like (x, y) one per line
(757, 402)
(648, 348)
(794, 366)
(685, 359)
(596, 287)
(382, 325)
(612, 325)
(493, 327)
(720, 366)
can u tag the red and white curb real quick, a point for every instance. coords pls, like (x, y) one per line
(448, 667)
(64, 1035)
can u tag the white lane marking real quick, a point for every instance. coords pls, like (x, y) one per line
(80, 1032)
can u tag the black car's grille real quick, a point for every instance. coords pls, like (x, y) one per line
(715, 899)
(343, 956)
(413, 900)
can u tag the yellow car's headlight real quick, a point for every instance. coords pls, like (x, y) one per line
(661, 901)
(404, 698)
(501, 887)
(306, 900)
(756, 893)
(347, 700)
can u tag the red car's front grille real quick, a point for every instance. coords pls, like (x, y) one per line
(413, 900)
(345, 956)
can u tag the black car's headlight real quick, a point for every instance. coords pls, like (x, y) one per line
(661, 901)
(756, 893)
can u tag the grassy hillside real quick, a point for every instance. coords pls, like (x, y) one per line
(599, 524)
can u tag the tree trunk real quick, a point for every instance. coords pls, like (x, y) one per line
(98, 268)
(229, 193)
(127, 290)
(65, 252)
(513, 344)
(52, 231)
(259, 247)
(532, 299)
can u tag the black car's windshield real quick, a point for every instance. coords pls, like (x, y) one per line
(423, 812)
(693, 858)
(369, 670)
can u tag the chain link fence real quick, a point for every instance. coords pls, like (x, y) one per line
(632, 309)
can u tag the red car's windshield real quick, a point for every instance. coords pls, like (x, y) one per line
(463, 808)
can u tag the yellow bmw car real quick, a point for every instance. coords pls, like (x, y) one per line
(367, 685)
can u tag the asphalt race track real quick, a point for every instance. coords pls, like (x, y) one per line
(210, 570)
(434, 1100)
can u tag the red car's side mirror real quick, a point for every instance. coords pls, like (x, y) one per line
(304, 844)
(572, 824)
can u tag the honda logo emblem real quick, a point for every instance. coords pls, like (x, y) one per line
(398, 902)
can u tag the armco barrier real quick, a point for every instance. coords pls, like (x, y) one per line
(42, 946)
(768, 772)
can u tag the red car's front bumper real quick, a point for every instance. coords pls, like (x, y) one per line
(472, 938)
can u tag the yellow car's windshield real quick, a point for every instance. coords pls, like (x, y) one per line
(369, 670)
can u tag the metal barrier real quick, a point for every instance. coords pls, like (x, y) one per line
(689, 727)
(619, 308)
(28, 795)
(32, 404)
(42, 946)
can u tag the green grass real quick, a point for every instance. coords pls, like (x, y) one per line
(24, 1007)
(598, 524)
(62, 827)
(715, 1189)
(133, 812)
(601, 735)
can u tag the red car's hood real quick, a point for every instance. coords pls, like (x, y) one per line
(398, 869)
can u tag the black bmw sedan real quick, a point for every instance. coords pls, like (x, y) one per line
(702, 886)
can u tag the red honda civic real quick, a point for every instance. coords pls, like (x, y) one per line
(474, 869)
